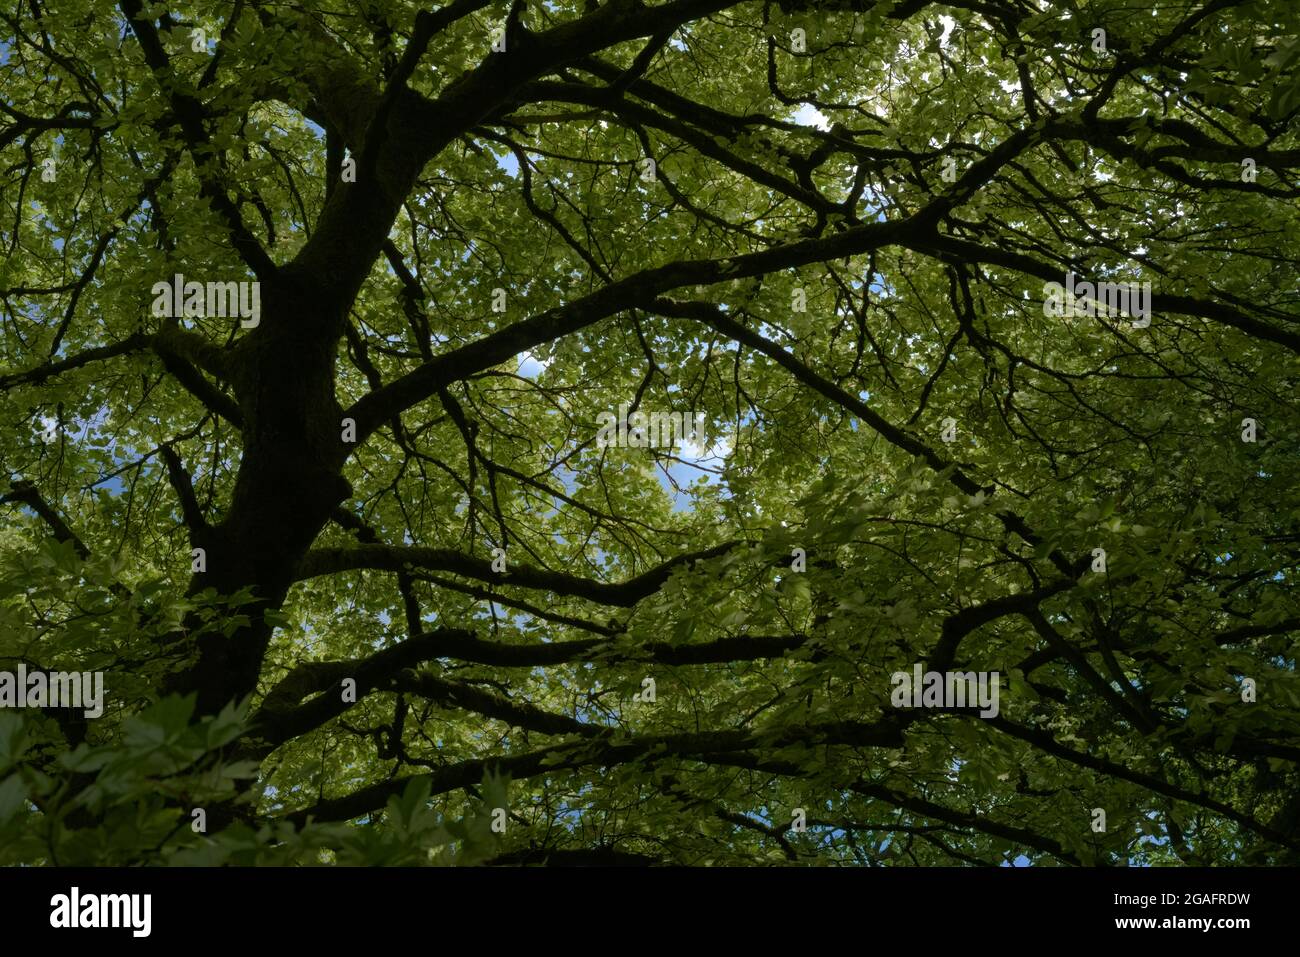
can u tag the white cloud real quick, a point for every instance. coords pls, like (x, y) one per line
(809, 115)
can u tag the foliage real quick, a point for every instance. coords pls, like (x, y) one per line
(838, 258)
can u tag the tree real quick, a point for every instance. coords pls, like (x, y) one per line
(566, 433)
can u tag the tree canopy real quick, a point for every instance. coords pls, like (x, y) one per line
(316, 317)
